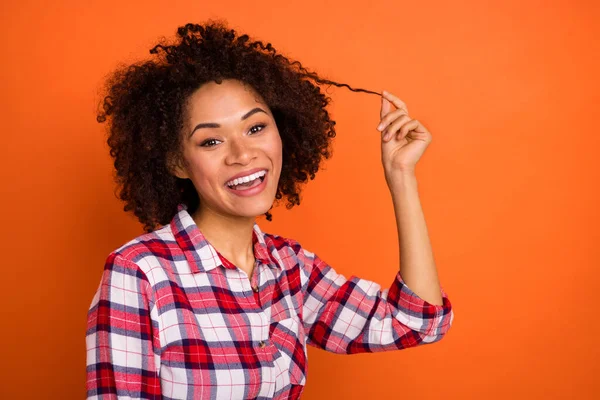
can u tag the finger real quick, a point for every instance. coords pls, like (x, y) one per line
(389, 118)
(418, 127)
(410, 126)
(395, 126)
(386, 106)
(395, 100)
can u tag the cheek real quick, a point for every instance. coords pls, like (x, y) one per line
(275, 150)
(205, 174)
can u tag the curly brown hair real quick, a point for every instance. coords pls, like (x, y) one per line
(146, 106)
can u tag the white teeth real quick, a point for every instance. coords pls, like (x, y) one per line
(246, 179)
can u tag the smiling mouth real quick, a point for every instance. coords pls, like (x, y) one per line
(248, 185)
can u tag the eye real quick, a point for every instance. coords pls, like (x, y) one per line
(207, 141)
(212, 142)
(257, 128)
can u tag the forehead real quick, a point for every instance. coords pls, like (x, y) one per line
(230, 99)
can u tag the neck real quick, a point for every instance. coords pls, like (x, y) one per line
(231, 236)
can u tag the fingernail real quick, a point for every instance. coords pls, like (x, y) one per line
(380, 127)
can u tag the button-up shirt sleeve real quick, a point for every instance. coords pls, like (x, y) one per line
(355, 315)
(121, 359)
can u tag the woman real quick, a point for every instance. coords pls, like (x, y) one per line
(206, 305)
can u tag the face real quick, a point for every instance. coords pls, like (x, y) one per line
(230, 133)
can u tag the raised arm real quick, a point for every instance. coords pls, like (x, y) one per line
(355, 315)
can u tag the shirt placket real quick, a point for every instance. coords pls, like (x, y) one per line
(256, 292)
(267, 351)
(256, 284)
(254, 301)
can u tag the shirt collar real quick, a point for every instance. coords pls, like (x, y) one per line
(200, 254)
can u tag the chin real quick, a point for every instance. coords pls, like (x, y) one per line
(252, 212)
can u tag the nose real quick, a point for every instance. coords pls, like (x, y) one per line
(240, 151)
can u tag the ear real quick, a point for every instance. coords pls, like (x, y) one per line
(175, 168)
(178, 172)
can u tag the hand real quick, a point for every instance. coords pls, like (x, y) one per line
(403, 140)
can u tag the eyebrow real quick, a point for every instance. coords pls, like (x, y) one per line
(215, 125)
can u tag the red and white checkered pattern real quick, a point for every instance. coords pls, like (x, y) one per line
(174, 319)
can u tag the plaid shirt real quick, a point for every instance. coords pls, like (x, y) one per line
(173, 319)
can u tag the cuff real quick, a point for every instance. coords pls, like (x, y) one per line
(417, 313)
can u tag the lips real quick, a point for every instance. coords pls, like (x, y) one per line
(254, 183)
(252, 190)
(245, 173)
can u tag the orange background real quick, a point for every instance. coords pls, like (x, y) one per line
(509, 185)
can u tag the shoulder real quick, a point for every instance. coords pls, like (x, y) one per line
(287, 247)
(280, 242)
(144, 252)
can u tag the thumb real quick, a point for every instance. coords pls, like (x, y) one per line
(385, 107)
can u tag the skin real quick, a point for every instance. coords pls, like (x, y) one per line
(403, 142)
(237, 145)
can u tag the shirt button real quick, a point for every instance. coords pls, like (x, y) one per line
(255, 288)
(262, 344)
